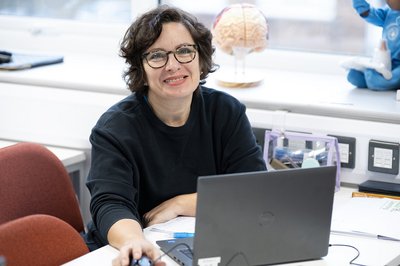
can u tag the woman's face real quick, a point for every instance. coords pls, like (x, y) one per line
(174, 80)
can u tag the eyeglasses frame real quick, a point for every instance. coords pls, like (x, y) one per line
(144, 56)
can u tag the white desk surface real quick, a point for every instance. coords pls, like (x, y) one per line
(67, 156)
(373, 252)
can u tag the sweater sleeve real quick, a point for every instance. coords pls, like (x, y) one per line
(110, 182)
(241, 152)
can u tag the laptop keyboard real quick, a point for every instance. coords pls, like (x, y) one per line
(188, 253)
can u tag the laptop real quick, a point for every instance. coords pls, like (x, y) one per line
(259, 218)
(20, 61)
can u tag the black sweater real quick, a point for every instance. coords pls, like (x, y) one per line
(138, 162)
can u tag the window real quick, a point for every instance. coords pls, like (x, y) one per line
(68, 26)
(82, 10)
(328, 26)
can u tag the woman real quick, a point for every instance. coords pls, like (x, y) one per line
(149, 149)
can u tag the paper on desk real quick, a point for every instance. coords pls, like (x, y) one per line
(368, 216)
(179, 224)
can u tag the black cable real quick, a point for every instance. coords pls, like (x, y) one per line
(245, 258)
(238, 254)
(191, 252)
(349, 246)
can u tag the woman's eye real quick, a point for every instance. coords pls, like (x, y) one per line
(156, 56)
(184, 51)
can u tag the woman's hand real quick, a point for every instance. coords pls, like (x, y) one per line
(135, 249)
(127, 236)
(180, 205)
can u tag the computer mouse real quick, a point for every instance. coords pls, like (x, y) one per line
(143, 261)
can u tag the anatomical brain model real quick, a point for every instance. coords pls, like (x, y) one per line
(238, 30)
(240, 25)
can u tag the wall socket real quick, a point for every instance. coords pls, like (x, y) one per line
(383, 157)
(347, 151)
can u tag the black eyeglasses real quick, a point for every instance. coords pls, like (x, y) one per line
(184, 54)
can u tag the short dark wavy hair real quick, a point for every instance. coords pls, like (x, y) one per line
(145, 30)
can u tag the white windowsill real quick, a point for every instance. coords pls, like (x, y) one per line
(295, 89)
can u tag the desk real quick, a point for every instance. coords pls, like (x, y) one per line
(73, 160)
(373, 252)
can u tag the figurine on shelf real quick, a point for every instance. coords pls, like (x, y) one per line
(382, 72)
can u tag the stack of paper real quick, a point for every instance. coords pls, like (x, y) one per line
(178, 224)
(373, 217)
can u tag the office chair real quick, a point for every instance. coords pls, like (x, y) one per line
(34, 181)
(40, 240)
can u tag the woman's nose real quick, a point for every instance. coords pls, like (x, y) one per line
(172, 64)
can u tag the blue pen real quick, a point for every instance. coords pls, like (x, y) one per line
(182, 235)
(173, 234)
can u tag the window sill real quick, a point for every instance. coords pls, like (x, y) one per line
(297, 90)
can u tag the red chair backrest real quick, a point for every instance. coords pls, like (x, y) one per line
(41, 240)
(34, 181)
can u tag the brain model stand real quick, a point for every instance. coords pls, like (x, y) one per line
(238, 30)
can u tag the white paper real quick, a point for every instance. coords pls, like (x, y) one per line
(179, 224)
(369, 217)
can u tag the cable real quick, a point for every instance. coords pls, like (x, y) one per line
(349, 246)
(238, 254)
(191, 252)
(245, 258)
(171, 249)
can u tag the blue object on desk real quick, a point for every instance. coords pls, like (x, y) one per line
(173, 234)
(182, 235)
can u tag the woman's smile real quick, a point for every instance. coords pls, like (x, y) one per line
(176, 80)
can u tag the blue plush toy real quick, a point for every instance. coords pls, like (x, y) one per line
(380, 75)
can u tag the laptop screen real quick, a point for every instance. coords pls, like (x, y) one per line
(263, 217)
